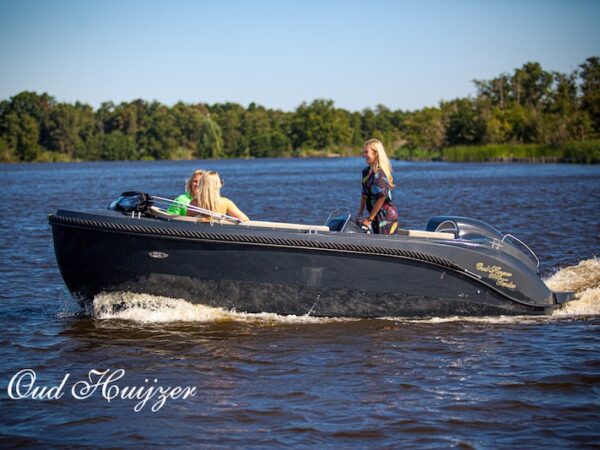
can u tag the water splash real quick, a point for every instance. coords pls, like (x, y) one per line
(145, 308)
(583, 279)
(583, 276)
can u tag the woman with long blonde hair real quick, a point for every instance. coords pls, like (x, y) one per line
(191, 185)
(377, 185)
(208, 196)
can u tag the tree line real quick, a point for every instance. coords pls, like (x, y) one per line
(528, 106)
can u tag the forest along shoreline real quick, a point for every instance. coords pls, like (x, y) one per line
(528, 115)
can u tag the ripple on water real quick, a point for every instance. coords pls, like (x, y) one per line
(265, 380)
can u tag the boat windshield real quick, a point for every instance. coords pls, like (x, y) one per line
(131, 201)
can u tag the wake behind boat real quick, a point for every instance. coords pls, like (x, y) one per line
(456, 266)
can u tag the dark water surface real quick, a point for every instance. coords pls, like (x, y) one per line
(264, 380)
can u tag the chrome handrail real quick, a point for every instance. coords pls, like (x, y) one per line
(524, 245)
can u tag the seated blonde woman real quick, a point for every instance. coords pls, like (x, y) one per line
(180, 208)
(208, 196)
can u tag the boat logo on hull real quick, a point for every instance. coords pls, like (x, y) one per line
(497, 274)
(158, 255)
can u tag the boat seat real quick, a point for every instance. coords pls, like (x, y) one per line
(430, 234)
(284, 225)
(158, 212)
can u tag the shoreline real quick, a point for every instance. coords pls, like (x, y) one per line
(583, 152)
(416, 160)
(577, 152)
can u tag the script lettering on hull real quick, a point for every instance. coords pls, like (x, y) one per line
(496, 273)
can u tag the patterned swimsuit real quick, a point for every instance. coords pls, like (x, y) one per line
(374, 186)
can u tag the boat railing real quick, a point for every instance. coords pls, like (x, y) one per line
(158, 212)
(537, 261)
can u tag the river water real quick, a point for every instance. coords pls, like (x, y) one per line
(256, 381)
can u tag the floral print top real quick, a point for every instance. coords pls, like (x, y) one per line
(374, 186)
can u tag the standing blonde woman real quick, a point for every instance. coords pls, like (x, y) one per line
(184, 199)
(208, 196)
(377, 185)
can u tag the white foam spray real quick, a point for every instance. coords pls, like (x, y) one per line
(583, 279)
(145, 308)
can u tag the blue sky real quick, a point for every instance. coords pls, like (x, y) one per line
(402, 54)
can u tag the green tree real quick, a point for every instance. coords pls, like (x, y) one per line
(6, 155)
(70, 129)
(115, 146)
(529, 106)
(464, 123)
(498, 127)
(280, 144)
(496, 91)
(257, 129)
(21, 133)
(38, 107)
(523, 123)
(368, 124)
(564, 94)
(188, 120)
(229, 117)
(424, 129)
(320, 125)
(280, 131)
(530, 85)
(157, 135)
(210, 144)
(105, 118)
(590, 89)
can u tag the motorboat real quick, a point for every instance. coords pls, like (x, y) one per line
(455, 266)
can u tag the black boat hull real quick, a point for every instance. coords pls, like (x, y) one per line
(260, 275)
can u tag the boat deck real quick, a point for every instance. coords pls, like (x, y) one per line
(161, 213)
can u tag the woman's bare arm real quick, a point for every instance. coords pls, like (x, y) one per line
(233, 210)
